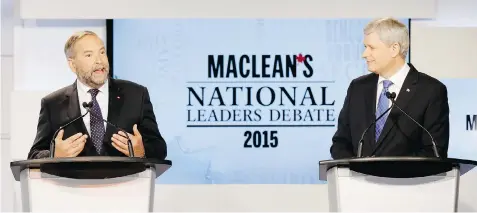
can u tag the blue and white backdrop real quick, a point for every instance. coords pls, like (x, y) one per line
(251, 101)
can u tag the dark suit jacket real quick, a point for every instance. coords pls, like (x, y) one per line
(129, 104)
(422, 97)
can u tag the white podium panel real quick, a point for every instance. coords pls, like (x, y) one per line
(351, 191)
(47, 193)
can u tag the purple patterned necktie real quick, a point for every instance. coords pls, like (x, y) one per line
(96, 122)
(383, 105)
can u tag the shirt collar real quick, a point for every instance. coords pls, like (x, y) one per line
(398, 78)
(85, 88)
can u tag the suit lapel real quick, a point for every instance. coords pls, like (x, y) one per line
(73, 108)
(405, 94)
(370, 101)
(71, 104)
(115, 104)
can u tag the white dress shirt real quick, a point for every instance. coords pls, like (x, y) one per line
(85, 96)
(397, 79)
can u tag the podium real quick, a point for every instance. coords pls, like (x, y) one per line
(88, 184)
(397, 184)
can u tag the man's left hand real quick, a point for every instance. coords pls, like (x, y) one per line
(120, 142)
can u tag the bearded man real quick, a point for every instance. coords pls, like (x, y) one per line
(122, 103)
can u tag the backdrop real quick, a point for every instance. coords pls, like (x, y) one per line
(243, 101)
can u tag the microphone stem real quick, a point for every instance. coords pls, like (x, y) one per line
(87, 106)
(391, 97)
(53, 142)
(129, 142)
(361, 141)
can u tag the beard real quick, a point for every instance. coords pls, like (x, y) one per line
(94, 78)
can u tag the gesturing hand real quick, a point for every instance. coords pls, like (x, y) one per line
(120, 142)
(71, 147)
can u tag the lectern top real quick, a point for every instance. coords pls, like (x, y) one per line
(91, 167)
(398, 167)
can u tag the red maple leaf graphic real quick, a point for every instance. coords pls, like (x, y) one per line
(300, 58)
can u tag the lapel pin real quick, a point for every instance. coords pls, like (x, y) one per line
(119, 97)
(408, 90)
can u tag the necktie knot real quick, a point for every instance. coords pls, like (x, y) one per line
(94, 92)
(387, 84)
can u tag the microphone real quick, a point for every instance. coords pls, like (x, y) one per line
(130, 147)
(361, 141)
(391, 96)
(52, 143)
(88, 106)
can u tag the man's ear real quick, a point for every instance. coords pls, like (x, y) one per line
(71, 64)
(395, 50)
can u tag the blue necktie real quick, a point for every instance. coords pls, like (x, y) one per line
(96, 122)
(383, 105)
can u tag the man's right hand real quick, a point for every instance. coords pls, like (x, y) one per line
(71, 147)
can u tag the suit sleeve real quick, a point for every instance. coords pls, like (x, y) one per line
(41, 145)
(342, 146)
(436, 120)
(154, 144)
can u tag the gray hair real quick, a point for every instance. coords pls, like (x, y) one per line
(390, 31)
(73, 39)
